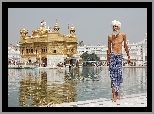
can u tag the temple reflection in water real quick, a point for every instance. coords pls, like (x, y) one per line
(41, 90)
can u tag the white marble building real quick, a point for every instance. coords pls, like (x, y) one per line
(138, 51)
(14, 52)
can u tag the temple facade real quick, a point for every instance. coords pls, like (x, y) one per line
(45, 42)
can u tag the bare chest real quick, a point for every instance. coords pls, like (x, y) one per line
(117, 40)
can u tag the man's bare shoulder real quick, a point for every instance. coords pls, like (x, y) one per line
(110, 36)
(123, 34)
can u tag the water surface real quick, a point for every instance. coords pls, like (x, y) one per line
(27, 87)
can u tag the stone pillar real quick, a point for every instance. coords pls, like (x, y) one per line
(67, 62)
(80, 70)
(80, 62)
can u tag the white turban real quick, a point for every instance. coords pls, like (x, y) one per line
(117, 23)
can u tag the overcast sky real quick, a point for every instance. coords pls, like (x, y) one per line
(92, 24)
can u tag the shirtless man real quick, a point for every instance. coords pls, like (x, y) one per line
(114, 58)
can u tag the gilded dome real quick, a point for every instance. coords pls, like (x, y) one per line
(56, 26)
(72, 27)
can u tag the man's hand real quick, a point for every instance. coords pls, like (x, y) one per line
(128, 60)
(107, 63)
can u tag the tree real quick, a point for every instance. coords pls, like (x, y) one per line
(90, 57)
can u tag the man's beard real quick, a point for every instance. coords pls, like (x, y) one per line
(115, 33)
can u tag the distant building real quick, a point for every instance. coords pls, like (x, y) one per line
(14, 52)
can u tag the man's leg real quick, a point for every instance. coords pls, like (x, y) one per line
(117, 96)
(114, 95)
(112, 76)
(119, 74)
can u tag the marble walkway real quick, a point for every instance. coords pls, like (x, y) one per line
(134, 100)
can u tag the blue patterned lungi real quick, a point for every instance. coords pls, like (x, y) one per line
(115, 68)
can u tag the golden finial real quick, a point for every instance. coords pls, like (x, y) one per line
(72, 27)
(56, 26)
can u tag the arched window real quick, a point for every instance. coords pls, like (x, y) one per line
(26, 50)
(31, 50)
(54, 51)
(46, 49)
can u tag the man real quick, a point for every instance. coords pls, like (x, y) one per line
(114, 58)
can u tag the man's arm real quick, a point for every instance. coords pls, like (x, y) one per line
(126, 46)
(109, 48)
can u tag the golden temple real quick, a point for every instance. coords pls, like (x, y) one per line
(45, 41)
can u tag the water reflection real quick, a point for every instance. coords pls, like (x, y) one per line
(40, 87)
(56, 87)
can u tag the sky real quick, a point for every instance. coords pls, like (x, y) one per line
(93, 25)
